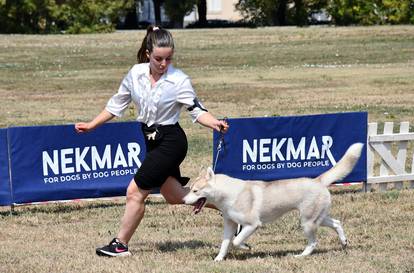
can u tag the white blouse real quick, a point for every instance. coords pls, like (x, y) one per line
(160, 104)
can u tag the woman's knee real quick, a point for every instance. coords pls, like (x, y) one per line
(134, 193)
(173, 192)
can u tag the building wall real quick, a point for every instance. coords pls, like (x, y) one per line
(223, 10)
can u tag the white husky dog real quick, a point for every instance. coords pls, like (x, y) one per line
(254, 203)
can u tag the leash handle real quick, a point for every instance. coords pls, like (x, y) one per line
(221, 126)
(220, 144)
(221, 141)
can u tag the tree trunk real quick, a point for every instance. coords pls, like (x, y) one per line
(157, 11)
(301, 16)
(179, 23)
(202, 11)
(281, 13)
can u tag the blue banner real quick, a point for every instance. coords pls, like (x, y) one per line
(55, 163)
(288, 147)
(5, 192)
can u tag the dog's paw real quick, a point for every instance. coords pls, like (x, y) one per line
(218, 259)
(345, 245)
(244, 246)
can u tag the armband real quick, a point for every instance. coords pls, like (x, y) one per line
(196, 104)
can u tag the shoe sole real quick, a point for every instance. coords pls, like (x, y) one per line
(111, 254)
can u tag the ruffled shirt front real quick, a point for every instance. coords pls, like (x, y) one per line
(160, 104)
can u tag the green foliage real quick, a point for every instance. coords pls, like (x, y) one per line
(52, 16)
(371, 12)
(280, 12)
(344, 12)
(352, 12)
(399, 11)
(260, 12)
(26, 16)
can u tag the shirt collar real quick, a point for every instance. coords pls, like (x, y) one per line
(167, 76)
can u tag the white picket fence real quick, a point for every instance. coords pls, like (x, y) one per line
(389, 155)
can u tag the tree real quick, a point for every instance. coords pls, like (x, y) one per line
(399, 11)
(300, 11)
(371, 12)
(177, 9)
(279, 12)
(366, 12)
(301, 14)
(54, 16)
(279, 17)
(25, 16)
(202, 11)
(157, 11)
(264, 12)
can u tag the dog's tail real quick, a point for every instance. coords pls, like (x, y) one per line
(343, 167)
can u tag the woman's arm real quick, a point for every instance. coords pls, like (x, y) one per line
(208, 120)
(83, 127)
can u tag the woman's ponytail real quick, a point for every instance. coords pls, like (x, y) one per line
(155, 37)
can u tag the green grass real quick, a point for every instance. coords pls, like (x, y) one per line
(62, 79)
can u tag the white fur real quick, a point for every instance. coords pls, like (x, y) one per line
(253, 203)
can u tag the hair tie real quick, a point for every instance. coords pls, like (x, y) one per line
(155, 28)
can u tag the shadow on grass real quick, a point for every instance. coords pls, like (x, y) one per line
(170, 246)
(56, 208)
(276, 254)
(346, 189)
(262, 254)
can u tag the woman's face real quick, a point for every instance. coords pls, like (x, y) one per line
(159, 59)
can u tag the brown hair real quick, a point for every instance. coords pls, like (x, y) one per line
(156, 37)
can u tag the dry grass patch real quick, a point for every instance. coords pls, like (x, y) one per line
(62, 238)
(237, 72)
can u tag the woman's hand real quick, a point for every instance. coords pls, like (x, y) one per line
(207, 119)
(223, 126)
(83, 127)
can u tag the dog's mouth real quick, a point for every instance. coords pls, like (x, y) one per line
(199, 205)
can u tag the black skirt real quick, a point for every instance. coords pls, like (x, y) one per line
(165, 152)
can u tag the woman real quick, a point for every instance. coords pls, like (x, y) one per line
(159, 91)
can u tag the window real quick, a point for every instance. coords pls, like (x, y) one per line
(214, 5)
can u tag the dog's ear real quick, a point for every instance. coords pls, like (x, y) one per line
(210, 173)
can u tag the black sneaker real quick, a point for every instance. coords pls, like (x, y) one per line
(114, 249)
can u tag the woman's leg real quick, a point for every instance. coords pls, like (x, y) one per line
(173, 192)
(134, 211)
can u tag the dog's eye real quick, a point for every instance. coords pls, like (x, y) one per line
(195, 191)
